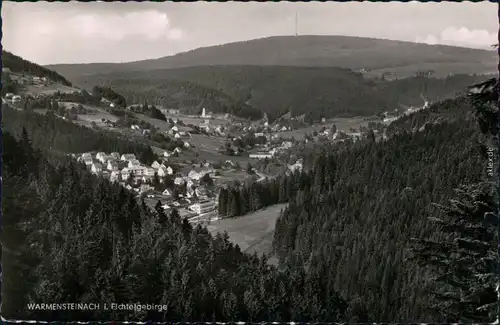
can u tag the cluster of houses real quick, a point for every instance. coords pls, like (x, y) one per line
(21, 79)
(12, 97)
(339, 136)
(126, 167)
(118, 167)
(174, 132)
(272, 150)
(217, 130)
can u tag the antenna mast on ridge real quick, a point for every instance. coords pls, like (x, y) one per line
(296, 23)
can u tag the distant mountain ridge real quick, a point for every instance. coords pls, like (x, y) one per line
(377, 55)
(315, 92)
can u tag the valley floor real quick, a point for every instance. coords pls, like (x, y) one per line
(252, 232)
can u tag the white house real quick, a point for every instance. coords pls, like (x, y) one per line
(177, 150)
(155, 165)
(179, 181)
(87, 155)
(128, 157)
(287, 145)
(177, 136)
(150, 172)
(190, 192)
(88, 161)
(203, 207)
(115, 176)
(115, 155)
(167, 192)
(137, 170)
(134, 163)
(186, 144)
(112, 166)
(175, 129)
(201, 192)
(164, 171)
(125, 173)
(166, 154)
(193, 174)
(258, 134)
(104, 159)
(260, 155)
(96, 168)
(100, 155)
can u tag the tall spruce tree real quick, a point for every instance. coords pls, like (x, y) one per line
(464, 261)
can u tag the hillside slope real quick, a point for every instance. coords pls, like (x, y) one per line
(316, 92)
(404, 58)
(355, 211)
(17, 64)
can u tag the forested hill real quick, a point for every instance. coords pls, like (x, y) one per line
(248, 90)
(69, 236)
(378, 55)
(52, 134)
(109, 94)
(20, 65)
(356, 210)
(365, 203)
(189, 96)
(448, 110)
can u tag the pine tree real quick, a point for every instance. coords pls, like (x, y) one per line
(465, 262)
(162, 216)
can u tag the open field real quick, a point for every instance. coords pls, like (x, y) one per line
(210, 143)
(215, 157)
(197, 120)
(49, 89)
(159, 124)
(87, 119)
(252, 232)
(227, 176)
(164, 126)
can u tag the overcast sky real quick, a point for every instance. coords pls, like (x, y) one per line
(77, 32)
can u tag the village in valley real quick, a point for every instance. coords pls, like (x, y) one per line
(196, 154)
(192, 193)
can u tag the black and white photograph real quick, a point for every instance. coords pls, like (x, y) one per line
(250, 162)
